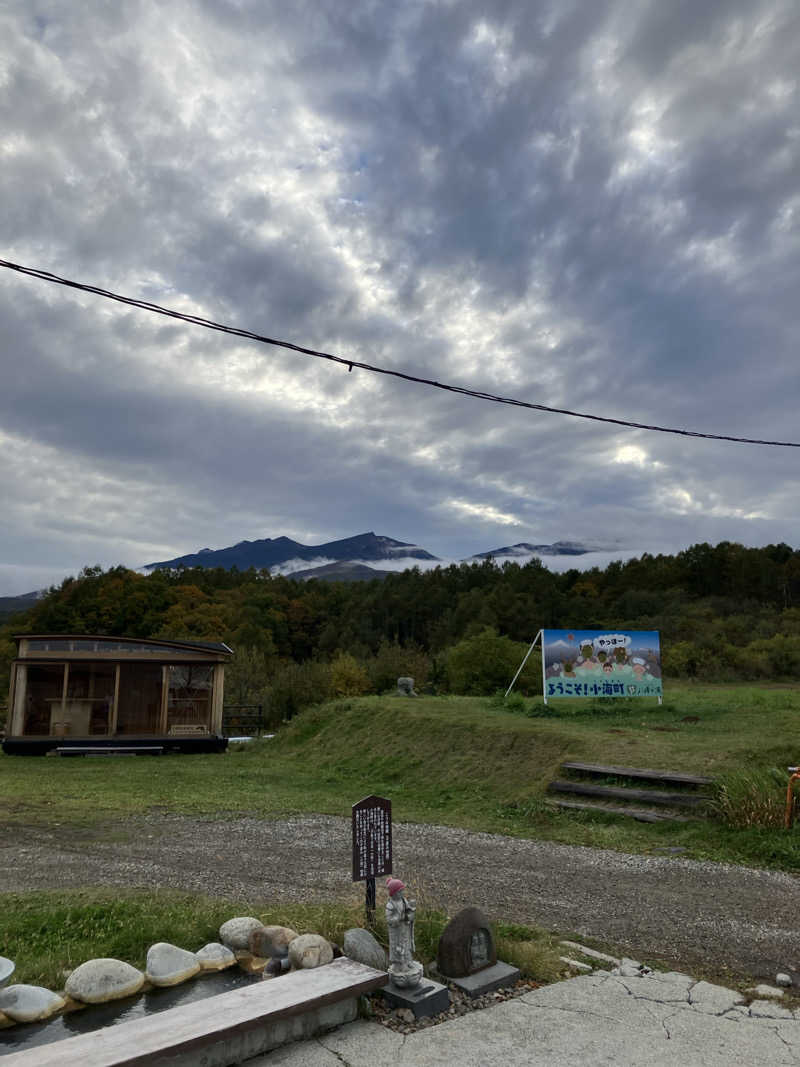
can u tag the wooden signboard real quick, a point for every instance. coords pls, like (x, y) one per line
(372, 844)
(372, 838)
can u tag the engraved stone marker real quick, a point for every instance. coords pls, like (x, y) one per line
(468, 958)
(466, 945)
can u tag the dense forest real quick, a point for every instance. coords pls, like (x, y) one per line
(725, 612)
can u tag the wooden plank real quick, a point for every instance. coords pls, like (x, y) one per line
(192, 1027)
(675, 777)
(632, 813)
(646, 796)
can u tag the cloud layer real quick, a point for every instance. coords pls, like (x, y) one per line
(586, 206)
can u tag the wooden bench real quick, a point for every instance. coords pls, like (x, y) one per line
(222, 1030)
(110, 750)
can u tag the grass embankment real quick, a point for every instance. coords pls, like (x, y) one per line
(454, 760)
(48, 934)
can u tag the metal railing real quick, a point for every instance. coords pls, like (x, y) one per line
(243, 720)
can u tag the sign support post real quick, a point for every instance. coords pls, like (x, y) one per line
(523, 664)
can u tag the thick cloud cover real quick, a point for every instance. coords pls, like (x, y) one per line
(593, 206)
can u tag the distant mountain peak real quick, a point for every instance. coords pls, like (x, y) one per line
(524, 548)
(268, 553)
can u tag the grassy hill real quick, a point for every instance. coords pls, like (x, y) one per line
(454, 760)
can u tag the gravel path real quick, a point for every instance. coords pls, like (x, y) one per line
(666, 907)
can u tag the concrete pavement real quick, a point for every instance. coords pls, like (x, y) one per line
(658, 1020)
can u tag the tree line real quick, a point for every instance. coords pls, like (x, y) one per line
(724, 612)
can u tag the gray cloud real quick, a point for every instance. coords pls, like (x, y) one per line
(588, 206)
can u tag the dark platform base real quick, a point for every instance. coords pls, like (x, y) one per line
(146, 746)
(428, 998)
(488, 980)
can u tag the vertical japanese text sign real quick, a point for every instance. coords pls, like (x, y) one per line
(372, 838)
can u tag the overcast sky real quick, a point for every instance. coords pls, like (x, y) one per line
(591, 205)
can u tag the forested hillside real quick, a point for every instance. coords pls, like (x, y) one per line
(724, 612)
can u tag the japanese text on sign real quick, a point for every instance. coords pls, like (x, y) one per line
(372, 838)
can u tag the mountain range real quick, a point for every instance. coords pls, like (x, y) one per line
(346, 560)
(284, 556)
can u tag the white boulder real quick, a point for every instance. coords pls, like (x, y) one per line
(97, 981)
(28, 1003)
(215, 957)
(169, 965)
(235, 933)
(361, 946)
(309, 950)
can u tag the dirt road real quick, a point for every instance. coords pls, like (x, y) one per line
(704, 914)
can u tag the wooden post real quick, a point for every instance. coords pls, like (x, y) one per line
(370, 901)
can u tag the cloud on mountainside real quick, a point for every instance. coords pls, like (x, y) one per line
(586, 206)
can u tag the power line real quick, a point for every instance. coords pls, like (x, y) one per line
(210, 324)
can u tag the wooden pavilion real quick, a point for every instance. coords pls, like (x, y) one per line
(84, 693)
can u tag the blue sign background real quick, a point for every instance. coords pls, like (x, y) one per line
(601, 663)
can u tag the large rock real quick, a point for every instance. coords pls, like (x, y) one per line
(215, 957)
(309, 950)
(269, 942)
(361, 946)
(97, 981)
(235, 933)
(28, 1003)
(466, 945)
(169, 965)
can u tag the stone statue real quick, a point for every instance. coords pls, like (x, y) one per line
(405, 687)
(404, 971)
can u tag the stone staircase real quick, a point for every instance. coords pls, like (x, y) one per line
(681, 800)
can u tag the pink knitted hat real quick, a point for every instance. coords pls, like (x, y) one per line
(394, 885)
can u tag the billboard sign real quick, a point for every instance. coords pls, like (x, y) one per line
(601, 663)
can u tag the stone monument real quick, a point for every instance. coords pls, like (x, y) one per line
(405, 687)
(467, 956)
(405, 988)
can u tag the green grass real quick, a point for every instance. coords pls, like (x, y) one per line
(48, 934)
(456, 760)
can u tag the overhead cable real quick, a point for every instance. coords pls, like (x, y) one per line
(210, 324)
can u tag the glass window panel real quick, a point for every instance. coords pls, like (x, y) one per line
(189, 698)
(64, 644)
(139, 708)
(90, 697)
(45, 686)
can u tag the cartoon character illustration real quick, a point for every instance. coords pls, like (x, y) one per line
(587, 664)
(639, 667)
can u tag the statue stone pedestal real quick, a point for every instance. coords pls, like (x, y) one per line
(406, 987)
(427, 998)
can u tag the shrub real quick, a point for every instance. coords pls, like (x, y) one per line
(347, 677)
(479, 665)
(513, 702)
(751, 798)
(297, 686)
(393, 661)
